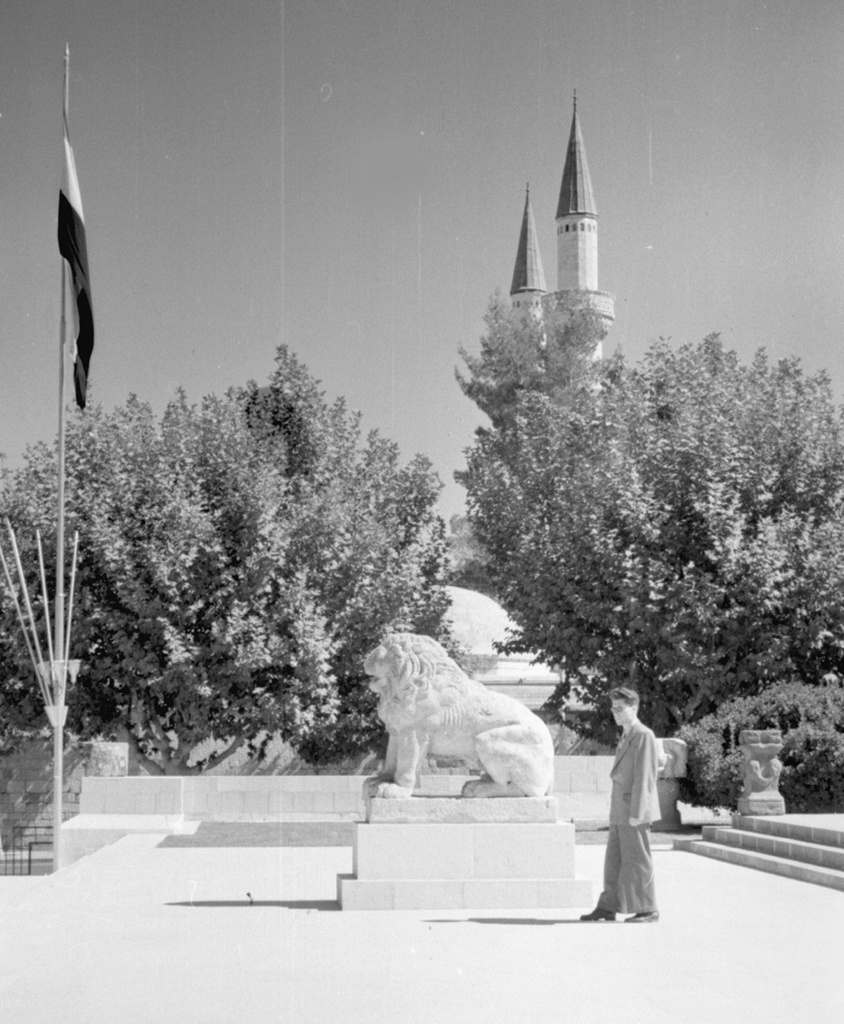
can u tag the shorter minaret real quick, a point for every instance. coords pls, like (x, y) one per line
(528, 285)
(577, 233)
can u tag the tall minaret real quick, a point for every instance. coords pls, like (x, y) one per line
(528, 285)
(577, 232)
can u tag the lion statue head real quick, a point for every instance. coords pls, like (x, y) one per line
(409, 670)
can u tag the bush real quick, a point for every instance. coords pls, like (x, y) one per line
(813, 769)
(812, 722)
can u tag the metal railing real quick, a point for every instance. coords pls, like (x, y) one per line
(26, 855)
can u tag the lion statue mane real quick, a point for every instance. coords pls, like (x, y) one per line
(430, 706)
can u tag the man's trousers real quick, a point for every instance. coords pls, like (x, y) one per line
(628, 871)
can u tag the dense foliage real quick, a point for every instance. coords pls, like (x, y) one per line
(812, 721)
(469, 561)
(521, 357)
(237, 559)
(677, 525)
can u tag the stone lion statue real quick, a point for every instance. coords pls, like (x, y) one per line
(430, 705)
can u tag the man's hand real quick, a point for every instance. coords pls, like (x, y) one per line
(634, 822)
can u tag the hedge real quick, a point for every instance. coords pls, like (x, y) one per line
(812, 722)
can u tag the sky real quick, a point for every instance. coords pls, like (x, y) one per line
(347, 177)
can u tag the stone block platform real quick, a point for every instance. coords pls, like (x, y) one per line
(445, 809)
(87, 833)
(450, 853)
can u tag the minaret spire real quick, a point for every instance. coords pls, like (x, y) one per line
(528, 276)
(577, 232)
(576, 195)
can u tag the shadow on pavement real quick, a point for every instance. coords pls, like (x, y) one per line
(265, 833)
(505, 920)
(287, 904)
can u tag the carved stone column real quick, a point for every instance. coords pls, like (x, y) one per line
(761, 772)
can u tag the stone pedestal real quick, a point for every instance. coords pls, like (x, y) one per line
(433, 810)
(672, 766)
(761, 794)
(455, 854)
(668, 791)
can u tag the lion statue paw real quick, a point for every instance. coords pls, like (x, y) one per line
(392, 791)
(488, 787)
(382, 786)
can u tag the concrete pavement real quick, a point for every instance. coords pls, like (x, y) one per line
(139, 932)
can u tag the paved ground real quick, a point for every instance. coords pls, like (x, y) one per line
(144, 931)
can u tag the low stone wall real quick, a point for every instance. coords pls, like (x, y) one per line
(582, 787)
(26, 786)
(237, 798)
(582, 790)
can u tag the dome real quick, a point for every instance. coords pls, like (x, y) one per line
(477, 623)
(476, 620)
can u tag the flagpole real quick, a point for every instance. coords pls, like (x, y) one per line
(58, 670)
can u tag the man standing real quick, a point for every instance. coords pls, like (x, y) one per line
(628, 868)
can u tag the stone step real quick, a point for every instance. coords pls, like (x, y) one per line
(784, 866)
(824, 829)
(807, 852)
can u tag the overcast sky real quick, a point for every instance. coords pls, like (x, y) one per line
(347, 176)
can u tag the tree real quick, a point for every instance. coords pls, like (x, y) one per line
(676, 525)
(370, 540)
(468, 558)
(521, 356)
(236, 560)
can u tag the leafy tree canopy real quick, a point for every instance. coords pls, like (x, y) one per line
(522, 356)
(676, 525)
(237, 559)
(468, 559)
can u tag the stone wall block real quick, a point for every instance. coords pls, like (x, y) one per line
(41, 787)
(427, 851)
(528, 851)
(583, 782)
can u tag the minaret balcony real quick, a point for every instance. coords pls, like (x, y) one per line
(603, 303)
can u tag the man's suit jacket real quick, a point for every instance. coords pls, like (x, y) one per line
(633, 775)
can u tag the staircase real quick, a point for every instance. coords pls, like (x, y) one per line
(806, 847)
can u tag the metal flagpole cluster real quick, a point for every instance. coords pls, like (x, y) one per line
(52, 673)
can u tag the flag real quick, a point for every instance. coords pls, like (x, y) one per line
(72, 246)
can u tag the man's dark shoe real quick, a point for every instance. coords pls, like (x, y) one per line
(645, 917)
(598, 914)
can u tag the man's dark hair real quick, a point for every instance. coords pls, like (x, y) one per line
(625, 694)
